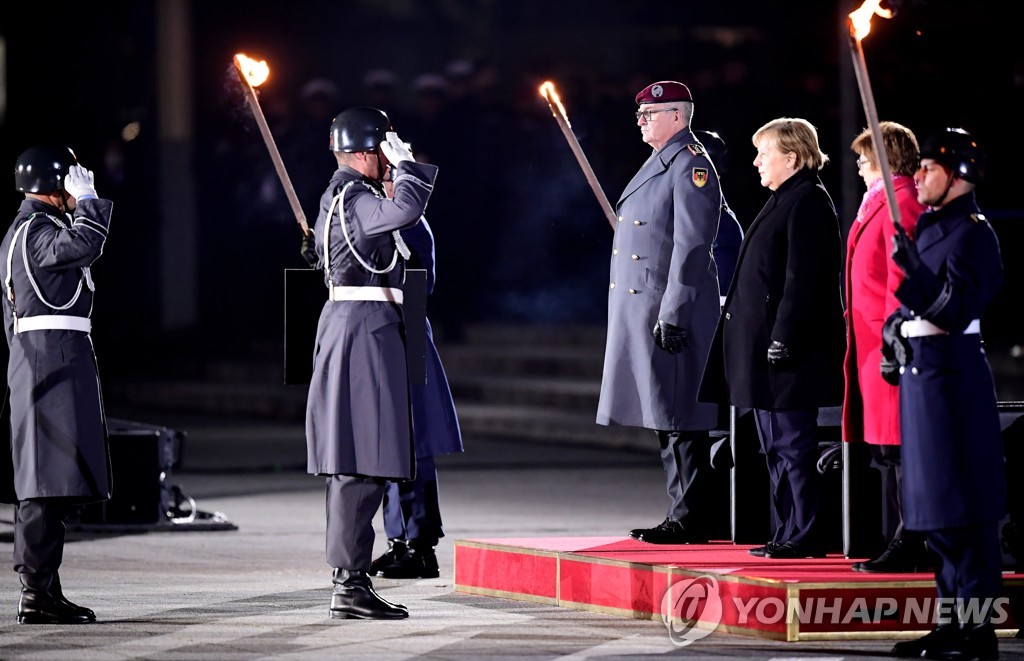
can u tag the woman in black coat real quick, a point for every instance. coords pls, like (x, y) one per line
(779, 345)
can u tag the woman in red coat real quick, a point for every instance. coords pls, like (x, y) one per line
(870, 405)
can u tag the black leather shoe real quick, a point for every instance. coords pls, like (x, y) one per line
(762, 551)
(901, 557)
(42, 602)
(415, 562)
(668, 531)
(793, 551)
(975, 642)
(941, 638)
(355, 598)
(396, 549)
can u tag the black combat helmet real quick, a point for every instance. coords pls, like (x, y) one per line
(41, 169)
(715, 147)
(957, 150)
(359, 129)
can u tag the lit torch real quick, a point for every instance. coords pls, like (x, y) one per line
(547, 90)
(859, 25)
(253, 74)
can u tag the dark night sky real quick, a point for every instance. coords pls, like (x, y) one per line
(520, 237)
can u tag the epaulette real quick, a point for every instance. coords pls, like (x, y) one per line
(978, 217)
(697, 149)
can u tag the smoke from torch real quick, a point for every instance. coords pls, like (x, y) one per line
(547, 90)
(254, 73)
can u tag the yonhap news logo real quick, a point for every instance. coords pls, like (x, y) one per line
(693, 608)
(689, 603)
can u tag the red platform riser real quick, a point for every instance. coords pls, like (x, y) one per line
(816, 599)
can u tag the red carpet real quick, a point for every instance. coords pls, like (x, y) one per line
(716, 586)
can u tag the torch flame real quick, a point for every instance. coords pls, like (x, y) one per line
(547, 90)
(860, 19)
(255, 72)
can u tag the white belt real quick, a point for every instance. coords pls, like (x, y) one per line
(339, 293)
(922, 327)
(52, 322)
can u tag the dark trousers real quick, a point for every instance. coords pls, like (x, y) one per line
(685, 456)
(39, 535)
(970, 570)
(886, 460)
(412, 508)
(352, 502)
(789, 441)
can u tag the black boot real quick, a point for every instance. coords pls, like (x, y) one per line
(901, 557)
(355, 598)
(397, 548)
(976, 641)
(939, 639)
(417, 561)
(42, 602)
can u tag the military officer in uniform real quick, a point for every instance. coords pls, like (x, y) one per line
(58, 428)
(954, 486)
(663, 303)
(730, 233)
(412, 508)
(358, 427)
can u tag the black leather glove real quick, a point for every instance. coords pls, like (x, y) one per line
(890, 370)
(778, 354)
(672, 339)
(904, 252)
(308, 250)
(894, 346)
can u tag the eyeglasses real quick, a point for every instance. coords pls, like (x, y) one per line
(861, 162)
(646, 114)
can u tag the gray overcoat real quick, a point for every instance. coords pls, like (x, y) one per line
(58, 427)
(662, 268)
(357, 412)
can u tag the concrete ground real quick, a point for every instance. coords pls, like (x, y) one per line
(262, 591)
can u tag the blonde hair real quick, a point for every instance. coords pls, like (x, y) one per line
(794, 135)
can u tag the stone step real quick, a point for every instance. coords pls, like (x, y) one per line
(547, 334)
(258, 399)
(523, 359)
(568, 394)
(531, 423)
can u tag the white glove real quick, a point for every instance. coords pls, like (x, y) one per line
(394, 149)
(80, 183)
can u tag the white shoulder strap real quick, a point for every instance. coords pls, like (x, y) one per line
(8, 282)
(339, 201)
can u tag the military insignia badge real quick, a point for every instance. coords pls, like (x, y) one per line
(700, 177)
(696, 149)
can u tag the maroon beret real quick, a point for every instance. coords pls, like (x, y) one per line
(664, 91)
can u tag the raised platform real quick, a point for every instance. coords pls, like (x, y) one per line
(697, 589)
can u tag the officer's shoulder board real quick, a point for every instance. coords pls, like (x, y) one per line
(697, 149)
(978, 217)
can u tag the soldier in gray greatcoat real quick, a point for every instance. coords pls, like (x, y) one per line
(58, 428)
(663, 304)
(358, 429)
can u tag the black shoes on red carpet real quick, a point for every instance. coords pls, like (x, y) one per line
(669, 531)
(902, 557)
(787, 551)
